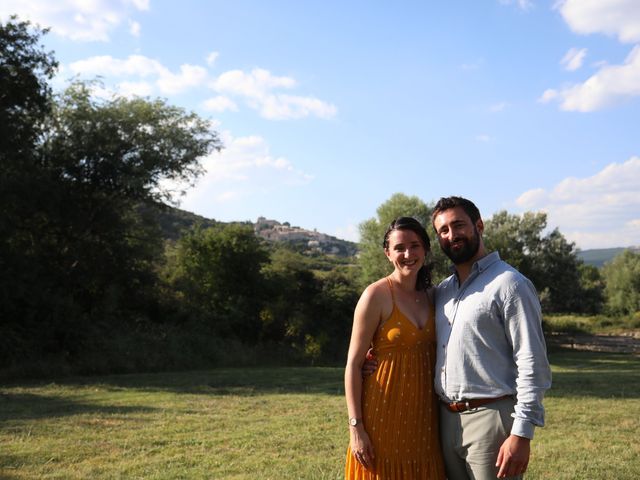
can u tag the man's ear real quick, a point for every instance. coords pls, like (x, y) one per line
(480, 226)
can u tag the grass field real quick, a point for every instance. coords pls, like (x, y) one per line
(280, 423)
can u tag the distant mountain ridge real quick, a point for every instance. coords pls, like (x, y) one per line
(599, 256)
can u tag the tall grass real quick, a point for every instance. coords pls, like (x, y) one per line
(595, 324)
(280, 423)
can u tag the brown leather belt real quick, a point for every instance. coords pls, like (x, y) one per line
(465, 405)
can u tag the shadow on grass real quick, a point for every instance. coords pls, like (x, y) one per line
(243, 381)
(593, 374)
(29, 406)
(576, 374)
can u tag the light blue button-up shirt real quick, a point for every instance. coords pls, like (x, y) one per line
(490, 341)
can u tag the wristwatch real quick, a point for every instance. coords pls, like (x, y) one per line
(354, 421)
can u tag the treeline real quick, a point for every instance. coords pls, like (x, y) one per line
(90, 284)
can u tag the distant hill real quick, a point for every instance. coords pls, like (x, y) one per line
(174, 221)
(599, 256)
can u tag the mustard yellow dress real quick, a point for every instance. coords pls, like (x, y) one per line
(400, 410)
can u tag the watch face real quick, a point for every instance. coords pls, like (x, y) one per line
(353, 421)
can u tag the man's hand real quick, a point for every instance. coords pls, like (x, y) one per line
(370, 365)
(513, 457)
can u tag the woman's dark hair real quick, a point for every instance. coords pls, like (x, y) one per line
(423, 282)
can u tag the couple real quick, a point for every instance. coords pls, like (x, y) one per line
(458, 395)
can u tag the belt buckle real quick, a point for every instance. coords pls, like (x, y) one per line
(467, 406)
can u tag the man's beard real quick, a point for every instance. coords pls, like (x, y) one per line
(467, 252)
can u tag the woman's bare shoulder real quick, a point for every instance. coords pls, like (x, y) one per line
(378, 295)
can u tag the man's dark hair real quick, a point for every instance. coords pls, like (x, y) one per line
(446, 203)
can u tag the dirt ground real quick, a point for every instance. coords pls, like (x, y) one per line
(628, 342)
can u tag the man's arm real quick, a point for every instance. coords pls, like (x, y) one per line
(523, 323)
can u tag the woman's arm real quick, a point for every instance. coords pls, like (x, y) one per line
(365, 322)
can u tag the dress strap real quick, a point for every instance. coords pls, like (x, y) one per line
(393, 296)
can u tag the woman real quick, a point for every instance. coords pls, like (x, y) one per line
(393, 422)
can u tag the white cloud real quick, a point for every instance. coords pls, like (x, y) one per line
(189, 76)
(211, 58)
(220, 104)
(166, 82)
(600, 211)
(277, 107)
(135, 89)
(257, 89)
(619, 18)
(484, 138)
(610, 85)
(573, 59)
(134, 65)
(244, 169)
(350, 232)
(134, 28)
(498, 107)
(522, 4)
(254, 85)
(86, 21)
(473, 65)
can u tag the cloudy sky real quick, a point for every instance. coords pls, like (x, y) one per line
(328, 108)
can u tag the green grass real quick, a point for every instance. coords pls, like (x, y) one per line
(280, 423)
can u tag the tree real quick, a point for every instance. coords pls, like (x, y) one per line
(25, 100)
(622, 277)
(549, 261)
(517, 238)
(308, 309)
(372, 260)
(25, 95)
(77, 251)
(593, 286)
(218, 271)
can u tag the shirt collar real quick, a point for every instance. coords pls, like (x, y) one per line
(486, 261)
(482, 264)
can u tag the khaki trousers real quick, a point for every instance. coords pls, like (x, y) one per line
(471, 440)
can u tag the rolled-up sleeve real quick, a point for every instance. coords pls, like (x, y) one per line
(523, 327)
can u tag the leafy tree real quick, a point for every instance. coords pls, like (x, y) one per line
(308, 309)
(593, 287)
(549, 261)
(25, 99)
(556, 269)
(218, 270)
(372, 260)
(622, 277)
(517, 238)
(77, 252)
(25, 95)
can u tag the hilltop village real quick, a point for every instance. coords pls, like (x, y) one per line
(307, 240)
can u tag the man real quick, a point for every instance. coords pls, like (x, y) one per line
(492, 368)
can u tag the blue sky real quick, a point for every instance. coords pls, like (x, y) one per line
(328, 108)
